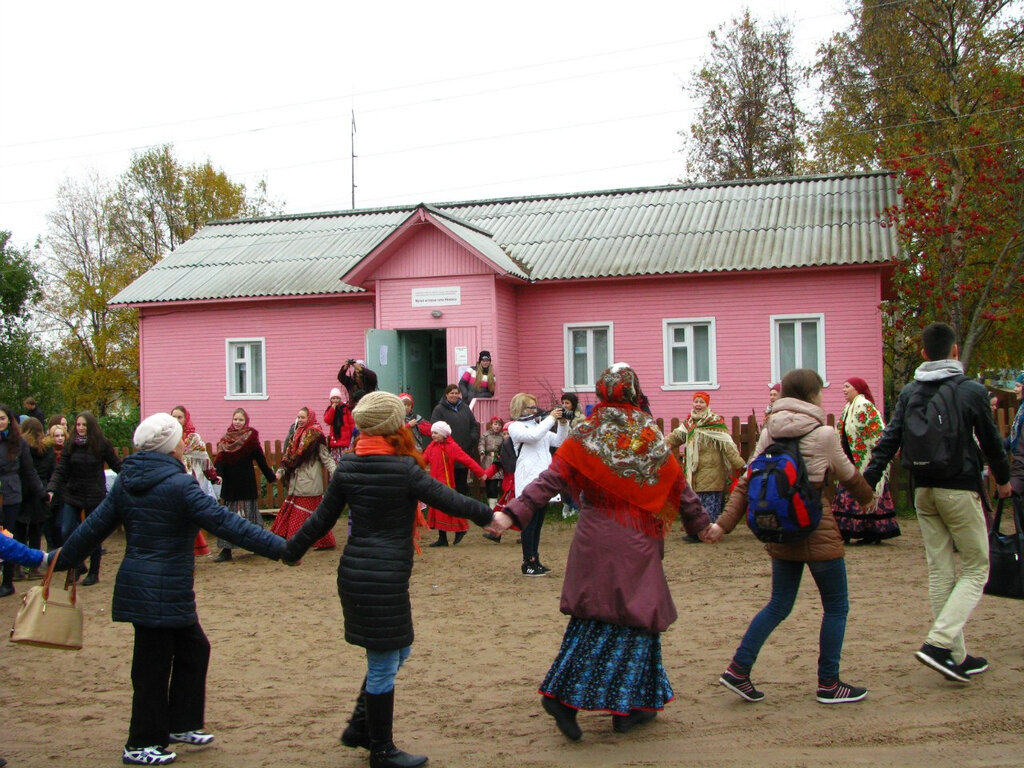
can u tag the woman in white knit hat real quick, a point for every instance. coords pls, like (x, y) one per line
(381, 481)
(443, 455)
(162, 508)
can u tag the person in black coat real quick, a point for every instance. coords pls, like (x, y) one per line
(80, 479)
(451, 408)
(34, 518)
(18, 482)
(381, 481)
(356, 377)
(162, 508)
(237, 450)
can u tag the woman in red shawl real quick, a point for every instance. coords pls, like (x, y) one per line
(197, 463)
(237, 450)
(629, 487)
(302, 472)
(442, 455)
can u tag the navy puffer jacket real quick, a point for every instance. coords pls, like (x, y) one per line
(373, 575)
(161, 508)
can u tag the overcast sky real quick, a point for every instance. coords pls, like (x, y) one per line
(452, 100)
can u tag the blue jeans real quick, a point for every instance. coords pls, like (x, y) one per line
(830, 576)
(382, 668)
(70, 519)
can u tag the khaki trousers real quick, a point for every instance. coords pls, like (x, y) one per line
(951, 518)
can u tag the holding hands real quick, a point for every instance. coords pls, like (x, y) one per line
(500, 523)
(712, 534)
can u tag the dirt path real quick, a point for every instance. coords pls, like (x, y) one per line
(282, 679)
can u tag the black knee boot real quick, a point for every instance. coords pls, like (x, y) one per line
(6, 587)
(355, 734)
(458, 536)
(380, 710)
(442, 539)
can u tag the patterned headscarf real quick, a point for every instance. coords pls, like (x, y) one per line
(302, 444)
(237, 442)
(617, 458)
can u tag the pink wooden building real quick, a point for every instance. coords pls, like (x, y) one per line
(716, 287)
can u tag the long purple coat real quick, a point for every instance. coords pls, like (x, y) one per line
(614, 573)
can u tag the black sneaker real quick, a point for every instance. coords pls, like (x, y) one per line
(942, 662)
(147, 756)
(840, 693)
(974, 665)
(543, 568)
(741, 686)
(533, 569)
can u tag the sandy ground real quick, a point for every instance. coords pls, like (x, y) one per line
(282, 679)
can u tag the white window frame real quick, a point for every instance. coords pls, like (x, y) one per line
(229, 347)
(668, 325)
(775, 320)
(567, 330)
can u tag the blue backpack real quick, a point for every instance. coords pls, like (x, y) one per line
(782, 504)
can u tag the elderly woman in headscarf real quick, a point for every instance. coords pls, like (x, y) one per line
(381, 481)
(711, 456)
(860, 426)
(630, 489)
(302, 472)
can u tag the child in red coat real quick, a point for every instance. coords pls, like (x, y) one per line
(442, 455)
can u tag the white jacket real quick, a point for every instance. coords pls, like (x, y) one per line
(533, 442)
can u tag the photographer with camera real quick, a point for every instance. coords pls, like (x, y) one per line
(356, 377)
(530, 430)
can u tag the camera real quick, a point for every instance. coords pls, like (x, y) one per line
(568, 415)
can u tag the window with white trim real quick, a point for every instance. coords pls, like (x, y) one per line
(690, 358)
(588, 351)
(246, 368)
(798, 341)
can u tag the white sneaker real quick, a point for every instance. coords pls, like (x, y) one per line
(199, 738)
(147, 756)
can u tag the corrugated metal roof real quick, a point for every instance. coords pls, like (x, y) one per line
(747, 225)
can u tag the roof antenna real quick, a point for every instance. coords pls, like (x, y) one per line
(352, 146)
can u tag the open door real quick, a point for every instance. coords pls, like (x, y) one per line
(383, 357)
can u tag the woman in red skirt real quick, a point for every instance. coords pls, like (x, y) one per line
(302, 472)
(442, 455)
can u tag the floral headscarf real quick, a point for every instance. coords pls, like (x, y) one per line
(304, 441)
(617, 458)
(237, 442)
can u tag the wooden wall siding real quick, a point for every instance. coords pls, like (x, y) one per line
(182, 358)
(742, 305)
(427, 253)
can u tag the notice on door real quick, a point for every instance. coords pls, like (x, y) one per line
(438, 296)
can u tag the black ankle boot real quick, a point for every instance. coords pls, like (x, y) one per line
(6, 588)
(565, 717)
(223, 557)
(458, 536)
(356, 734)
(380, 710)
(442, 539)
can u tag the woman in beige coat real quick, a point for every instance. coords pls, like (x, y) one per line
(302, 472)
(798, 414)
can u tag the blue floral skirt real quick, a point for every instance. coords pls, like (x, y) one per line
(603, 666)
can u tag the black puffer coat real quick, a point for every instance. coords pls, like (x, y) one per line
(79, 476)
(161, 508)
(373, 575)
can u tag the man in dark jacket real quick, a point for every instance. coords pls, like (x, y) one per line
(162, 508)
(948, 504)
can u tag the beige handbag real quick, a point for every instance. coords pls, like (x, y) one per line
(50, 618)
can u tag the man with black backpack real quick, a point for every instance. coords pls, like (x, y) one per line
(937, 417)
